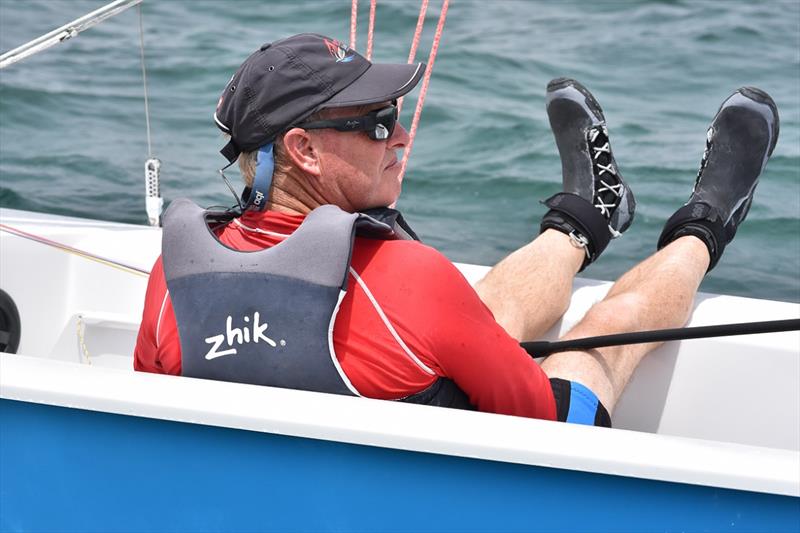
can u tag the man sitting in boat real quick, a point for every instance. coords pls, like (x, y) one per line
(319, 285)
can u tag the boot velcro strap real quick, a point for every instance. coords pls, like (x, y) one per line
(570, 212)
(702, 221)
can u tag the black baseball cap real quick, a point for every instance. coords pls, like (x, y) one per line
(284, 82)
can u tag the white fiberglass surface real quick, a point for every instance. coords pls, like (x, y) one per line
(737, 389)
(402, 426)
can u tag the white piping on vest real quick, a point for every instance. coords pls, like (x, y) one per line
(160, 316)
(258, 230)
(389, 326)
(331, 349)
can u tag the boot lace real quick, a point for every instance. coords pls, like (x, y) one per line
(611, 189)
(704, 161)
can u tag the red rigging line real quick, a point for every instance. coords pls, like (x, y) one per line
(371, 32)
(423, 9)
(425, 81)
(70, 249)
(412, 54)
(353, 21)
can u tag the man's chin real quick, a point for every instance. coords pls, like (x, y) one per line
(397, 191)
(397, 186)
(386, 201)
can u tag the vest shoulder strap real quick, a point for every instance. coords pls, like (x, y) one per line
(326, 232)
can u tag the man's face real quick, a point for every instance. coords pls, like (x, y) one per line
(358, 173)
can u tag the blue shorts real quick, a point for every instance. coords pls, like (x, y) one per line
(578, 405)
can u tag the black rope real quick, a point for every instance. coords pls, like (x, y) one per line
(542, 348)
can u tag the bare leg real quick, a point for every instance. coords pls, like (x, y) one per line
(529, 290)
(658, 293)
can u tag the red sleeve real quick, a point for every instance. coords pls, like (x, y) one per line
(467, 345)
(158, 347)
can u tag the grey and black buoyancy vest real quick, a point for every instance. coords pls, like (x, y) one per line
(266, 317)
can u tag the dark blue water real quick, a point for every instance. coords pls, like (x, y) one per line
(72, 126)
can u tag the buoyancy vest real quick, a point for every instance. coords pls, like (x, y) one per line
(266, 317)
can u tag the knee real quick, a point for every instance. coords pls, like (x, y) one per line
(619, 314)
(638, 311)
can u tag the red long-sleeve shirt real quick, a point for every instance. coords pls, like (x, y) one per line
(408, 317)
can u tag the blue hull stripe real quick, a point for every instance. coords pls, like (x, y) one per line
(73, 470)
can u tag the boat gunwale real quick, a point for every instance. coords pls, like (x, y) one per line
(401, 426)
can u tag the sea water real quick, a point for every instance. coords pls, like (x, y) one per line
(72, 121)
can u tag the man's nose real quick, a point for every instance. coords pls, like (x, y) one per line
(399, 138)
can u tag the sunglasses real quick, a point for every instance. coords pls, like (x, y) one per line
(378, 124)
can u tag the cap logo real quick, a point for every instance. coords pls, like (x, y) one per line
(338, 51)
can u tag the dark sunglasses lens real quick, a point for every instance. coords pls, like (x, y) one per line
(385, 120)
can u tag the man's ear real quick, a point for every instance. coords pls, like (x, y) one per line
(301, 151)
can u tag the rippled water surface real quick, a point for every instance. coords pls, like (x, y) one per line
(72, 124)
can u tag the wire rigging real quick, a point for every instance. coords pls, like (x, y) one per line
(154, 203)
(144, 84)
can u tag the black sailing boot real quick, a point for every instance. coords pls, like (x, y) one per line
(596, 205)
(738, 143)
